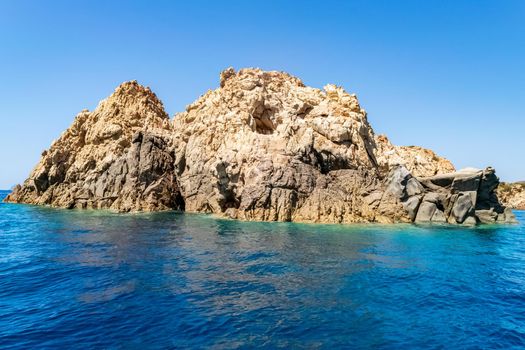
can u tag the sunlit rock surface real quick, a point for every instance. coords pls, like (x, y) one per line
(120, 156)
(263, 146)
(512, 195)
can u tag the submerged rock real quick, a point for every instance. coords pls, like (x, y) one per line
(263, 146)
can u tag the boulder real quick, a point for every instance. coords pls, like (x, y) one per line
(470, 221)
(411, 205)
(466, 181)
(433, 197)
(463, 207)
(426, 212)
(439, 217)
(486, 216)
(413, 187)
(509, 217)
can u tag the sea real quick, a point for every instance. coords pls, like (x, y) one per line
(73, 279)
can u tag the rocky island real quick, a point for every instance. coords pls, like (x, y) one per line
(263, 146)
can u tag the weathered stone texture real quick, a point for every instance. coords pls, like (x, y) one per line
(120, 156)
(263, 146)
(512, 195)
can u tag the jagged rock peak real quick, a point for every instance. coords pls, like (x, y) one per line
(229, 76)
(133, 88)
(133, 97)
(279, 104)
(276, 81)
(119, 156)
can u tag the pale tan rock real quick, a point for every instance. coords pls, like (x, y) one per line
(120, 157)
(263, 146)
(419, 161)
(266, 147)
(512, 195)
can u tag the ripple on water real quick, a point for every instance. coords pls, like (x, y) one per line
(77, 279)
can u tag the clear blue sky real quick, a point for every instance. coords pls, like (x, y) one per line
(447, 75)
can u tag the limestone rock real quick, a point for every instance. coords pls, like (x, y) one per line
(266, 147)
(512, 195)
(419, 161)
(263, 146)
(120, 156)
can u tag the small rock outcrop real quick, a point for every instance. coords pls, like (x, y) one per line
(464, 197)
(419, 161)
(120, 156)
(512, 195)
(263, 146)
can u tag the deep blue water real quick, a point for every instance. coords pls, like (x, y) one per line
(92, 279)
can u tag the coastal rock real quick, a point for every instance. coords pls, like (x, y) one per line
(464, 197)
(263, 146)
(120, 156)
(426, 212)
(462, 208)
(419, 161)
(512, 195)
(486, 216)
(266, 147)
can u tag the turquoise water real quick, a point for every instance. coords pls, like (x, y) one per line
(88, 279)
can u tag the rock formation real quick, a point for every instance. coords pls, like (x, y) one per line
(464, 197)
(263, 146)
(419, 161)
(120, 156)
(512, 195)
(266, 147)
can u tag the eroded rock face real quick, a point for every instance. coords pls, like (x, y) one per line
(120, 156)
(419, 161)
(266, 147)
(263, 146)
(512, 195)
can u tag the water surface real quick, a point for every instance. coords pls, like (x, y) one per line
(79, 279)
